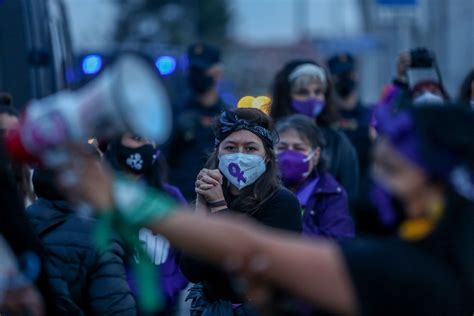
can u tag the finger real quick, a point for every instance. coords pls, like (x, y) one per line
(201, 174)
(202, 192)
(205, 186)
(216, 174)
(199, 183)
(210, 180)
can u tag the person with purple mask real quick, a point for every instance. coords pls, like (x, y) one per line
(323, 200)
(303, 87)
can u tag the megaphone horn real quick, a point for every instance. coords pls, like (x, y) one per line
(128, 96)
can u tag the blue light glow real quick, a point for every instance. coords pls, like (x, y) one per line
(166, 65)
(91, 64)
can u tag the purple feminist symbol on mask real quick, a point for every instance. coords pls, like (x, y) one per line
(235, 171)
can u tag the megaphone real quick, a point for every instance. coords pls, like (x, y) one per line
(128, 96)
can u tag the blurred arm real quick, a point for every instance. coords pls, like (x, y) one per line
(311, 269)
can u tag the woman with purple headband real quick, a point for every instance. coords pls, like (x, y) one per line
(424, 161)
(241, 175)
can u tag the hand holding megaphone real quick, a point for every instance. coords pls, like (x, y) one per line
(128, 96)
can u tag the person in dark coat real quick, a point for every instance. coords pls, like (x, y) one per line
(302, 86)
(140, 159)
(87, 280)
(466, 90)
(355, 116)
(192, 139)
(323, 200)
(24, 287)
(9, 119)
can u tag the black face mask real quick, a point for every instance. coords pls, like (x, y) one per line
(345, 86)
(138, 160)
(199, 81)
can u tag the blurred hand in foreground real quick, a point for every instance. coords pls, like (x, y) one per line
(85, 178)
(25, 300)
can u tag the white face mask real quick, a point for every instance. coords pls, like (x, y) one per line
(242, 169)
(428, 98)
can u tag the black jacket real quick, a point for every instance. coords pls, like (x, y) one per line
(83, 279)
(342, 160)
(281, 211)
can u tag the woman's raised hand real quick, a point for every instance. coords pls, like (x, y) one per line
(209, 185)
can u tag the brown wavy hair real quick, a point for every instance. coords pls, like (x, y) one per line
(252, 197)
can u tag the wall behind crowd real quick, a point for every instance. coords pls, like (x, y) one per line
(441, 25)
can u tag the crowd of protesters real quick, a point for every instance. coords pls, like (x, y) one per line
(312, 203)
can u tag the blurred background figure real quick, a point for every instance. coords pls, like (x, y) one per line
(466, 91)
(139, 159)
(355, 116)
(323, 200)
(8, 113)
(354, 120)
(419, 78)
(24, 283)
(22, 173)
(88, 280)
(304, 87)
(192, 135)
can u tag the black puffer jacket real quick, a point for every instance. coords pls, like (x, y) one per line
(83, 280)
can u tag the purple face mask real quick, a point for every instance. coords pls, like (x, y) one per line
(310, 107)
(294, 166)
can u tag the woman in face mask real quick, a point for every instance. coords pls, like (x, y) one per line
(322, 198)
(303, 87)
(242, 176)
(139, 159)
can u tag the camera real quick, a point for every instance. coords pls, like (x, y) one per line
(421, 58)
(423, 67)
